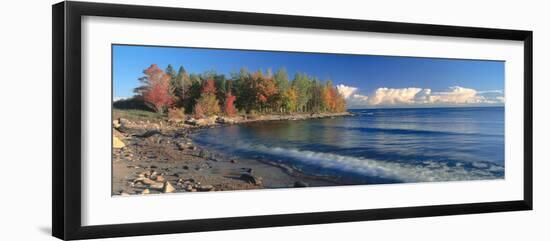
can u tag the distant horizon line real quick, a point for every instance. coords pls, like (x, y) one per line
(427, 107)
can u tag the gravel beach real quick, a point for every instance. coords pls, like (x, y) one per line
(161, 157)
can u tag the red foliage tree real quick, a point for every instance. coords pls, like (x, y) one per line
(157, 90)
(229, 107)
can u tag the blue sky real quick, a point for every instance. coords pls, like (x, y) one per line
(363, 79)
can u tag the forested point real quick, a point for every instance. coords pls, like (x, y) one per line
(209, 93)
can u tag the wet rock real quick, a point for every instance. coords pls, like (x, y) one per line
(205, 188)
(168, 188)
(300, 184)
(189, 188)
(247, 177)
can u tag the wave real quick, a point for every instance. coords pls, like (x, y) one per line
(425, 171)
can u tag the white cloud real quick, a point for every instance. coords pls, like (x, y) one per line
(414, 96)
(390, 96)
(357, 100)
(346, 91)
(461, 95)
(455, 95)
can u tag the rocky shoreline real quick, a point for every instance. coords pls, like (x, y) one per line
(161, 157)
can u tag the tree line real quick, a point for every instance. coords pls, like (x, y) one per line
(210, 93)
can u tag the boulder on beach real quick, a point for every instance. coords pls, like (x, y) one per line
(117, 143)
(168, 188)
(116, 124)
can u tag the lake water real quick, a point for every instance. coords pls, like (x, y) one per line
(377, 145)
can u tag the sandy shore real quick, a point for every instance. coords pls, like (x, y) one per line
(160, 158)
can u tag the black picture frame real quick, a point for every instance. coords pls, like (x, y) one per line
(66, 47)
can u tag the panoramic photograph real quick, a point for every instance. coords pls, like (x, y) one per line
(201, 120)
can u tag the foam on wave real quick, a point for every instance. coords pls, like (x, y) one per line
(427, 171)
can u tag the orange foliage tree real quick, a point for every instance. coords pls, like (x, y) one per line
(265, 90)
(229, 107)
(332, 100)
(156, 89)
(207, 105)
